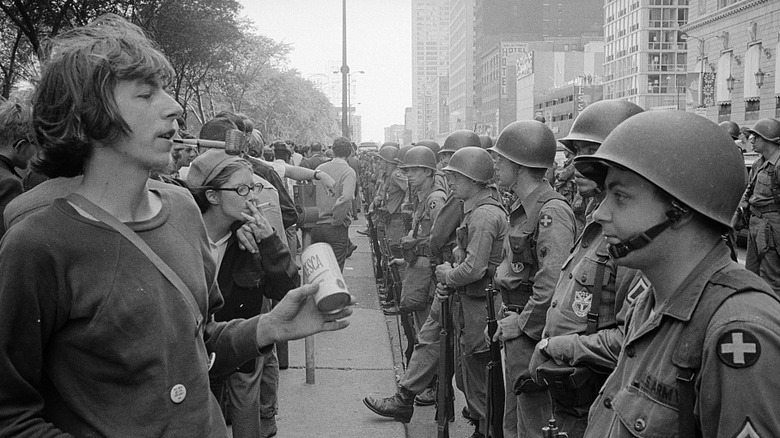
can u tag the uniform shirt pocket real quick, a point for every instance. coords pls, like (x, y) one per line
(644, 416)
(577, 304)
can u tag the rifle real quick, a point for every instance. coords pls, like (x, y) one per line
(445, 406)
(494, 410)
(406, 321)
(375, 251)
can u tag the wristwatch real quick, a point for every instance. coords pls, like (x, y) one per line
(316, 172)
(542, 346)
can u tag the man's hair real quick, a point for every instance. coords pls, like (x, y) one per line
(303, 150)
(255, 143)
(342, 147)
(316, 147)
(74, 104)
(15, 119)
(280, 150)
(216, 129)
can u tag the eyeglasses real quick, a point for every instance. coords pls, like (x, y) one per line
(242, 189)
(752, 138)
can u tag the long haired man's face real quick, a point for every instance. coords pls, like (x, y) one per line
(151, 114)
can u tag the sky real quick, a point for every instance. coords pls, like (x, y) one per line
(378, 43)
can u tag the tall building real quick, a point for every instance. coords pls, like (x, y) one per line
(733, 59)
(430, 48)
(505, 28)
(645, 52)
(558, 85)
(461, 95)
(395, 134)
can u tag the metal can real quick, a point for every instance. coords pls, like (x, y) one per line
(320, 267)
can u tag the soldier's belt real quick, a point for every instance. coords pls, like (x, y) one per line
(516, 299)
(760, 211)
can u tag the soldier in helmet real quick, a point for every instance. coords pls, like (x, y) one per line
(418, 383)
(389, 198)
(761, 202)
(735, 132)
(418, 285)
(456, 140)
(701, 345)
(541, 232)
(479, 239)
(584, 325)
(589, 130)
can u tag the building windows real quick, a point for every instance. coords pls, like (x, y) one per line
(724, 112)
(752, 107)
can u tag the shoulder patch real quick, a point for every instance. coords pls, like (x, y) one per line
(546, 220)
(747, 431)
(639, 286)
(738, 348)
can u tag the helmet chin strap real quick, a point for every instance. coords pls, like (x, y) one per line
(624, 247)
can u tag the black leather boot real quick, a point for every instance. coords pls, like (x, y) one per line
(399, 407)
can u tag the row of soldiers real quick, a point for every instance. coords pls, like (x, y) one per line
(567, 286)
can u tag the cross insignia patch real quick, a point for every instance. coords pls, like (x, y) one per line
(546, 220)
(738, 348)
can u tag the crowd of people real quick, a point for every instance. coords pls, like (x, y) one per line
(145, 279)
(622, 309)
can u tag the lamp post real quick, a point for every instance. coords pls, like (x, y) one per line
(344, 74)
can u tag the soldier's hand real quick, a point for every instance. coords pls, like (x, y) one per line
(399, 262)
(508, 327)
(537, 358)
(442, 270)
(442, 291)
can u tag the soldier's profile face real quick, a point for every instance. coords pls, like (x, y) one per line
(631, 206)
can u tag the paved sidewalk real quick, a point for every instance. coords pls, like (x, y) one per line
(363, 359)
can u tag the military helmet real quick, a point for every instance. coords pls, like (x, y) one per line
(432, 145)
(460, 139)
(684, 154)
(472, 162)
(528, 143)
(419, 156)
(399, 159)
(388, 152)
(768, 129)
(485, 141)
(731, 128)
(597, 120)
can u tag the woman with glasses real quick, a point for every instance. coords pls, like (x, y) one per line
(252, 263)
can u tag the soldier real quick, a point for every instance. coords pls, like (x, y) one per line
(541, 232)
(418, 286)
(417, 386)
(584, 322)
(761, 202)
(735, 132)
(458, 139)
(478, 254)
(702, 344)
(587, 132)
(388, 199)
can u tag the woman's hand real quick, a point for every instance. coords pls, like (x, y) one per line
(255, 229)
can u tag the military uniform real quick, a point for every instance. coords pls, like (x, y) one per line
(419, 282)
(541, 233)
(575, 311)
(423, 365)
(762, 255)
(479, 241)
(736, 383)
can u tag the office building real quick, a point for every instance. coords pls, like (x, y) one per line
(430, 59)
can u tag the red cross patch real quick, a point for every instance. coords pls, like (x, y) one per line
(546, 220)
(738, 348)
